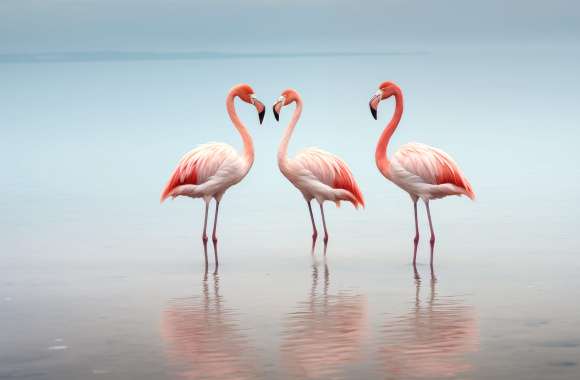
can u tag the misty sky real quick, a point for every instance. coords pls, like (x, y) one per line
(256, 25)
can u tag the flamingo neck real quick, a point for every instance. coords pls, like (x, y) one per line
(381, 152)
(283, 149)
(246, 138)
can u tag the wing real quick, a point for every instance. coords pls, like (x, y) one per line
(433, 166)
(330, 170)
(198, 165)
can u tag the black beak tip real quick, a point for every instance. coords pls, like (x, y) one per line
(373, 112)
(276, 115)
(261, 115)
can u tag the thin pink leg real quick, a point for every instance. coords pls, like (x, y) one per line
(416, 240)
(432, 240)
(314, 231)
(204, 236)
(214, 234)
(324, 225)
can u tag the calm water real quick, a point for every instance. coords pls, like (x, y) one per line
(97, 280)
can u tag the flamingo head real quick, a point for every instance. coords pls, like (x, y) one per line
(287, 97)
(246, 93)
(385, 91)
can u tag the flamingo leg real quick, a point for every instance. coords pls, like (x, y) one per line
(432, 240)
(214, 234)
(416, 240)
(204, 236)
(314, 231)
(324, 225)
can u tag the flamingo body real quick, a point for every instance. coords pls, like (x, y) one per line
(427, 173)
(322, 176)
(206, 172)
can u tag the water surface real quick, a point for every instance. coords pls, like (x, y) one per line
(97, 280)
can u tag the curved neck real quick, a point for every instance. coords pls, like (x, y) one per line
(246, 138)
(381, 152)
(283, 149)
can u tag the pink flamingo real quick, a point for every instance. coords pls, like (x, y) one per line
(210, 169)
(422, 171)
(316, 173)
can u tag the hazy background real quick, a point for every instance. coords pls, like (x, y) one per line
(56, 25)
(90, 261)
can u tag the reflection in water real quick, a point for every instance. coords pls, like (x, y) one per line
(203, 338)
(431, 340)
(325, 333)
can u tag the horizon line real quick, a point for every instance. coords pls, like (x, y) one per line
(120, 56)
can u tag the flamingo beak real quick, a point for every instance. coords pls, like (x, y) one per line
(260, 107)
(374, 103)
(277, 107)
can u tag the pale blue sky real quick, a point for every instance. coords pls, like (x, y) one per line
(73, 25)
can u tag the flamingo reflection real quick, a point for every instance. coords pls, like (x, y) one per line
(203, 339)
(432, 339)
(325, 334)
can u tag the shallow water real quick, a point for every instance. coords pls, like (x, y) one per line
(291, 318)
(99, 281)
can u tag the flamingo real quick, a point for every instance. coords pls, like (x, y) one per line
(422, 171)
(316, 173)
(210, 169)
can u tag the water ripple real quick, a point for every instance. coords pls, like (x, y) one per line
(203, 338)
(432, 339)
(325, 333)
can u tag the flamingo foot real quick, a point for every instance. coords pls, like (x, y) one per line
(416, 273)
(433, 277)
